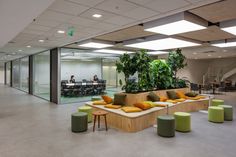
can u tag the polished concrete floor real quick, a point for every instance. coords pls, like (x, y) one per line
(31, 127)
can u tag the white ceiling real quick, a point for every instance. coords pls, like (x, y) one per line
(62, 14)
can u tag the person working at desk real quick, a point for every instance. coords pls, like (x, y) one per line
(72, 79)
(95, 78)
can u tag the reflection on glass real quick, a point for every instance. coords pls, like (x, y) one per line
(24, 74)
(8, 73)
(16, 73)
(41, 75)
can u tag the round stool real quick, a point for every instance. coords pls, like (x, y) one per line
(166, 126)
(88, 110)
(98, 114)
(228, 112)
(182, 121)
(216, 114)
(96, 98)
(216, 102)
(79, 122)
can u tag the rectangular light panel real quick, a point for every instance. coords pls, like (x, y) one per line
(228, 44)
(95, 45)
(163, 44)
(178, 27)
(120, 52)
(231, 30)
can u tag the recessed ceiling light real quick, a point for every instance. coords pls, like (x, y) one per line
(20, 50)
(60, 31)
(95, 45)
(209, 55)
(219, 56)
(227, 44)
(224, 50)
(157, 52)
(41, 40)
(176, 24)
(113, 51)
(163, 44)
(195, 53)
(13, 53)
(97, 15)
(28, 46)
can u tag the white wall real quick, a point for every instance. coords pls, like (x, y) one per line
(81, 69)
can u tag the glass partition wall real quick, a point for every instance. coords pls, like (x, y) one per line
(8, 73)
(41, 75)
(83, 75)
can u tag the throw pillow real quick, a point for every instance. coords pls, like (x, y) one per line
(191, 94)
(143, 106)
(181, 94)
(172, 95)
(113, 106)
(163, 98)
(99, 103)
(129, 109)
(119, 99)
(107, 99)
(153, 97)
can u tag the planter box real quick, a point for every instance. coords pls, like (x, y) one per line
(139, 97)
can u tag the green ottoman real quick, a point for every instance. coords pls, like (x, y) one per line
(228, 112)
(216, 102)
(79, 122)
(96, 98)
(88, 110)
(182, 121)
(216, 114)
(166, 126)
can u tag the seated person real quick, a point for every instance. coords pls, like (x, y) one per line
(95, 78)
(72, 79)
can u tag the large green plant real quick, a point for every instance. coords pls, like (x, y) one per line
(177, 61)
(161, 74)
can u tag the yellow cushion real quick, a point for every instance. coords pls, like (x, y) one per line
(180, 100)
(181, 94)
(112, 106)
(99, 103)
(129, 109)
(160, 105)
(143, 106)
(150, 103)
(163, 98)
(194, 98)
(171, 101)
(107, 99)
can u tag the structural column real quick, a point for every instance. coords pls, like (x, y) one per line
(5, 73)
(31, 74)
(55, 75)
(11, 72)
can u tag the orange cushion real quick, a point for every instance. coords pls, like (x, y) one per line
(171, 101)
(181, 94)
(163, 98)
(112, 106)
(160, 105)
(99, 103)
(180, 100)
(107, 99)
(129, 109)
(143, 106)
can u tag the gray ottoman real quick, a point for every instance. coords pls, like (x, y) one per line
(79, 122)
(166, 126)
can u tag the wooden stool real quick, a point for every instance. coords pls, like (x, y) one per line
(98, 114)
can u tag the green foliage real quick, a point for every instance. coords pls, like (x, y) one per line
(161, 74)
(176, 61)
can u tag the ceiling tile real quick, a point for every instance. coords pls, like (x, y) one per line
(209, 34)
(217, 12)
(55, 16)
(162, 5)
(105, 26)
(90, 3)
(38, 27)
(89, 14)
(80, 21)
(141, 13)
(116, 6)
(48, 23)
(120, 20)
(68, 7)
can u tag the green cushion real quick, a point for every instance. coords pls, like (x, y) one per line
(191, 94)
(95, 98)
(216, 102)
(216, 114)
(228, 112)
(182, 121)
(88, 110)
(153, 97)
(166, 126)
(119, 99)
(172, 95)
(79, 122)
